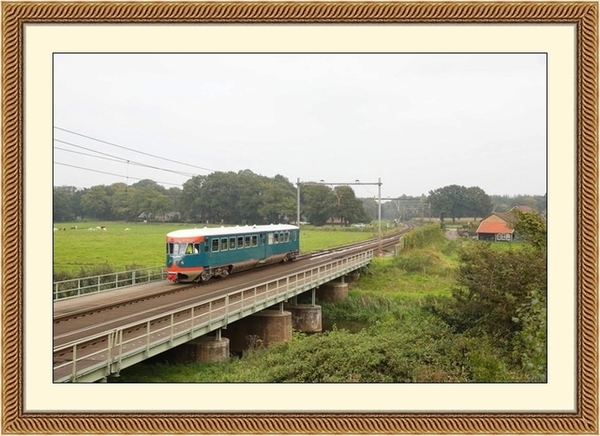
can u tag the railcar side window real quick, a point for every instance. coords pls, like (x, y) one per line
(276, 238)
(224, 244)
(254, 241)
(232, 243)
(287, 236)
(240, 242)
(196, 248)
(247, 241)
(215, 245)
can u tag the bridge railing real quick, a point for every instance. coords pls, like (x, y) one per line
(132, 343)
(74, 288)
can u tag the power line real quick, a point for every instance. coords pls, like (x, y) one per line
(118, 158)
(112, 174)
(131, 149)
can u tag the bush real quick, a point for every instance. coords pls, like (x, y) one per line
(418, 261)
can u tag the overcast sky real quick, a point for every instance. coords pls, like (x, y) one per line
(418, 122)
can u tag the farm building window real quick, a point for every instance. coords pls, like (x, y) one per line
(240, 242)
(215, 245)
(247, 241)
(224, 244)
(232, 243)
(254, 241)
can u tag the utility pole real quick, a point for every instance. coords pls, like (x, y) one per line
(298, 203)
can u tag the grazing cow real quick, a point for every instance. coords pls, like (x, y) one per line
(127, 229)
(74, 228)
(55, 229)
(64, 229)
(91, 229)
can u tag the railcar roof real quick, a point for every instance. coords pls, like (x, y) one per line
(237, 230)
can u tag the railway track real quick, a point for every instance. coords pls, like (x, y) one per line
(85, 316)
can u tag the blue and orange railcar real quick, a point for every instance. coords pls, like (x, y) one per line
(196, 255)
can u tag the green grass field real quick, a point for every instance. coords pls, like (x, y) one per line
(144, 244)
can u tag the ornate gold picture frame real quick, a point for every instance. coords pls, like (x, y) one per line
(583, 15)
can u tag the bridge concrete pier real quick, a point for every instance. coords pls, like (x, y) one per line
(306, 318)
(260, 329)
(333, 292)
(203, 349)
(353, 276)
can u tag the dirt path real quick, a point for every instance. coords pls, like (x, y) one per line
(452, 234)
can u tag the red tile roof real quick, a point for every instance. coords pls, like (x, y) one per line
(494, 227)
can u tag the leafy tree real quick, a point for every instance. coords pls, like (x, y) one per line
(191, 201)
(278, 197)
(248, 193)
(121, 202)
(371, 207)
(174, 194)
(318, 203)
(480, 204)
(450, 201)
(531, 227)
(96, 202)
(63, 205)
(347, 207)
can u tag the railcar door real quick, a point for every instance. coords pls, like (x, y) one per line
(262, 241)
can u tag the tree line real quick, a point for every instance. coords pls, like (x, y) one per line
(248, 198)
(220, 197)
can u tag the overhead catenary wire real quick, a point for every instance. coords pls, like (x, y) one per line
(114, 158)
(133, 150)
(113, 174)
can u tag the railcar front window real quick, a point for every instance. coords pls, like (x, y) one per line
(176, 249)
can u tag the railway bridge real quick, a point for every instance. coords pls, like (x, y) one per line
(97, 336)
